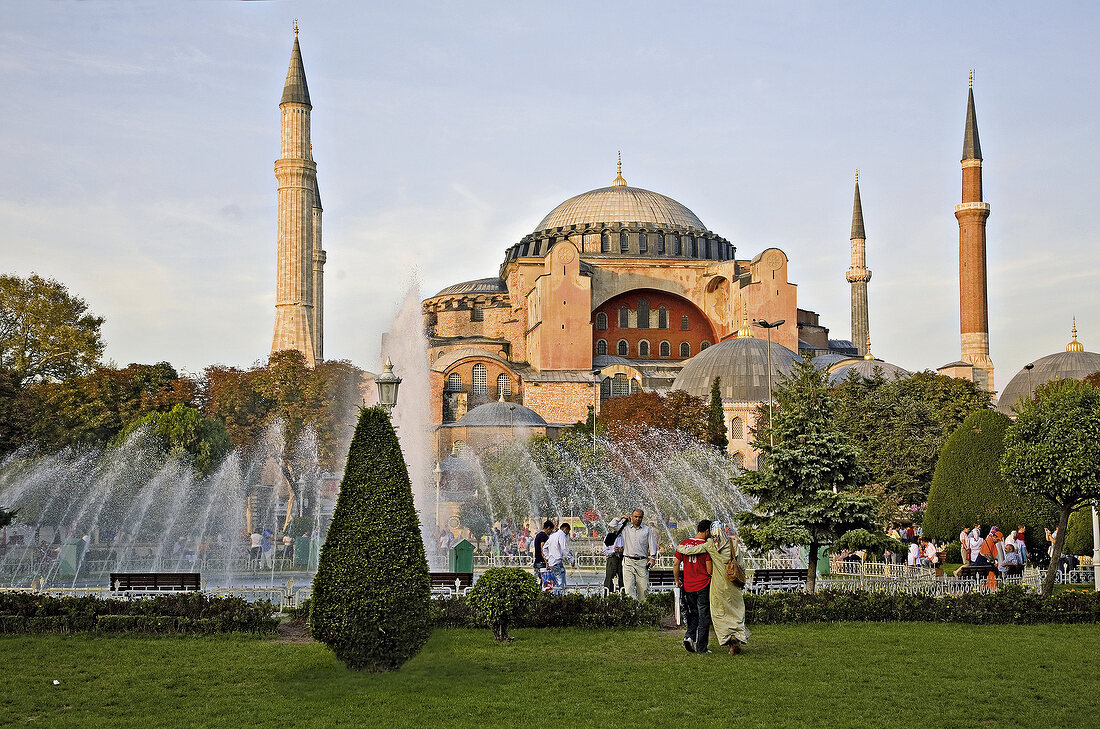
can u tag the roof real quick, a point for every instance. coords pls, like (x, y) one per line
(295, 90)
(867, 368)
(743, 366)
(857, 216)
(958, 363)
(620, 204)
(491, 285)
(972, 146)
(501, 414)
(1057, 366)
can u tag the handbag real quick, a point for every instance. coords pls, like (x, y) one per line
(734, 573)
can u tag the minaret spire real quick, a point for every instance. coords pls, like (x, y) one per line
(858, 275)
(972, 213)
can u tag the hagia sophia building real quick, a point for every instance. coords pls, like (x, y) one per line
(620, 290)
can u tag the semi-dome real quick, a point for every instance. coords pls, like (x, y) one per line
(742, 364)
(620, 204)
(501, 415)
(866, 368)
(1073, 364)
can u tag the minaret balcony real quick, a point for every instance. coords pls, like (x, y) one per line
(972, 206)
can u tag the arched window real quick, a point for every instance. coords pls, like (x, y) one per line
(623, 348)
(620, 386)
(643, 242)
(476, 313)
(624, 317)
(601, 321)
(624, 243)
(666, 349)
(676, 250)
(635, 387)
(685, 323)
(685, 350)
(480, 386)
(703, 345)
(643, 313)
(454, 382)
(504, 385)
(661, 243)
(643, 348)
(601, 346)
(737, 429)
(605, 388)
(739, 461)
(662, 318)
(605, 242)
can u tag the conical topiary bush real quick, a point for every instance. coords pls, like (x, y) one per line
(371, 592)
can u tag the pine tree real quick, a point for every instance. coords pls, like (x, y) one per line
(807, 488)
(716, 418)
(371, 593)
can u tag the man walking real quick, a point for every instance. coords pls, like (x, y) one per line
(613, 551)
(540, 542)
(640, 552)
(557, 551)
(694, 583)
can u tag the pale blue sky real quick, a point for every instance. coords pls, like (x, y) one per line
(139, 140)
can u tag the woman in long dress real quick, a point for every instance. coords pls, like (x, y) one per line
(727, 606)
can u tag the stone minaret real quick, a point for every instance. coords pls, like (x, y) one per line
(971, 214)
(319, 258)
(858, 276)
(295, 262)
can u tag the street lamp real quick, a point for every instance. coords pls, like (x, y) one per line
(387, 383)
(595, 404)
(1029, 367)
(437, 472)
(765, 325)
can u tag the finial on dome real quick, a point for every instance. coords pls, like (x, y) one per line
(745, 332)
(868, 356)
(619, 181)
(857, 176)
(1074, 345)
(295, 27)
(971, 78)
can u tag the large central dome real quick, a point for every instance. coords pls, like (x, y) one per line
(620, 204)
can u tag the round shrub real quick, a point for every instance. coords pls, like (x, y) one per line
(501, 596)
(967, 486)
(1079, 533)
(371, 595)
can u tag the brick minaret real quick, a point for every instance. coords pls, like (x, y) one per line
(858, 276)
(296, 173)
(971, 214)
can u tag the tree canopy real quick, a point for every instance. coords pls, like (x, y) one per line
(183, 429)
(716, 418)
(46, 333)
(626, 415)
(1052, 451)
(808, 485)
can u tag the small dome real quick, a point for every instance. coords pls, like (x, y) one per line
(1057, 366)
(743, 366)
(479, 286)
(620, 204)
(866, 368)
(501, 415)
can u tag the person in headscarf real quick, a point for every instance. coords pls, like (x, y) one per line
(727, 605)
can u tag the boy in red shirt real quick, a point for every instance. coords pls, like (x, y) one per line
(694, 584)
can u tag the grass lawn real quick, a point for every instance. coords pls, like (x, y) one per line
(820, 676)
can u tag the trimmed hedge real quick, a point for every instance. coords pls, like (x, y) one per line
(968, 487)
(571, 610)
(195, 613)
(371, 593)
(502, 596)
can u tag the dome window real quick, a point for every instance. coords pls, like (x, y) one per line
(504, 385)
(676, 249)
(476, 313)
(601, 322)
(624, 243)
(666, 349)
(643, 313)
(643, 348)
(601, 346)
(685, 350)
(605, 242)
(480, 386)
(643, 242)
(660, 244)
(703, 345)
(623, 348)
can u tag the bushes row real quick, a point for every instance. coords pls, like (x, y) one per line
(571, 610)
(23, 612)
(1010, 605)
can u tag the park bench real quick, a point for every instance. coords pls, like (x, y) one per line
(447, 584)
(661, 580)
(123, 581)
(787, 580)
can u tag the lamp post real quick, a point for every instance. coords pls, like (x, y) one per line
(387, 383)
(765, 325)
(1029, 367)
(595, 404)
(437, 472)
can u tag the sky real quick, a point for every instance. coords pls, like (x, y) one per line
(140, 139)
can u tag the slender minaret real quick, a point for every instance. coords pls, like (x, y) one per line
(319, 258)
(296, 173)
(858, 276)
(971, 214)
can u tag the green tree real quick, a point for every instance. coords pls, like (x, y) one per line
(501, 596)
(808, 486)
(6, 517)
(1079, 534)
(627, 415)
(1052, 451)
(184, 429)
(968, 486)
(371, 592)
(716, 418)
(45, 332)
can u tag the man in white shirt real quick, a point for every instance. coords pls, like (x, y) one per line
(640, 553)
(556, 551)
